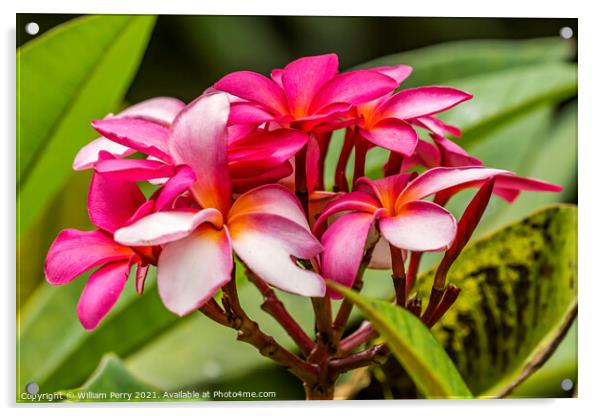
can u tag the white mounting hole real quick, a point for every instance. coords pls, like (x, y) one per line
(32, 28)
(566, 32)
(566, 384)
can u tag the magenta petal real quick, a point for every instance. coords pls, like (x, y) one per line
(73, 252)
(89, 154)
(254, 87)
(353, 201)
(199, 139)
(244, 184)
(176, 185)
(163, 227)
(142, 135)
(270, 199)
(398, 72)
(191, 270)
(344, 242)
(248, 113)
(353, 87)
(454, 155)
(303, 78)
(392, 134)
(420, 226)
(436, 126)
(438, 179)
(385, 189)
(112, 200)
(421, 101)
(266, 243)
(134, 169)
(101, 292)
(160, 110)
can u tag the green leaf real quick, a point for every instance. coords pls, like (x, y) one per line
(411, 342)
(67, 77)
(518, 299)
(109, 379)
(455, 60)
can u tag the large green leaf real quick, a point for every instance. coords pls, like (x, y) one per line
(75, 73)
(518, 299)
(455, 60)
(413, 345)
(112, 382)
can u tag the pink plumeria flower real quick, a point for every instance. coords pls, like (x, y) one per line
(111, 205)
(160, 110)
(258, 158)
(265, 227)
(308, 92)
(396, 206)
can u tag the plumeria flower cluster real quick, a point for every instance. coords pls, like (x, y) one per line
(239, 174)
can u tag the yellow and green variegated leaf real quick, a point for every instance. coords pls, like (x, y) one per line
(413, 345)
(518, 300)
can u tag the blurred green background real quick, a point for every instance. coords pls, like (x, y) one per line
(523, 118)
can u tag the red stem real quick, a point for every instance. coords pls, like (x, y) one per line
(340, 179)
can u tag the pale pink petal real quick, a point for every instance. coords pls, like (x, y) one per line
(421, 101)
(420, 226)
(176, 185)
(101, 292)
(438, 179)
(112, 201)
(193, 269)
(398, 72)
(141, 273)
(142, 135)
(266, 242)
(254, 87)
(74, 252)
(392, 134)
(271, 199)
(344, 243)
(199, 139)
(134, 169)
(88, 155)
(163, 227)
(353, 87)
(381, 255)
(161, 110)
(303, 78)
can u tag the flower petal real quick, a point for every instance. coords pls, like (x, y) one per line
(160, 110)
(353, 87)
(73, 252)
(112, 201)
(244, 184)
(193, 269)
(398, 72)
(101, 292)
(134, 169)
(353, 201)
(248, 113)
(385, 189)
(421, 101)
(89, 154)
(420, 226)
(344, 243)
(426, 154)
(273, 199)
(392, 134)
(142, 135)
(166, 226)
(199, 139)
(303, 78)
(177, 184)
(438, 179)
(254, 87)
(266, 242)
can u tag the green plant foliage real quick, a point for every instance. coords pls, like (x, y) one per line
(413, 345)
(518, 299)
(75, 73)
(109, 378)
